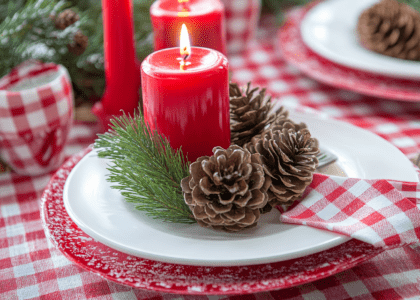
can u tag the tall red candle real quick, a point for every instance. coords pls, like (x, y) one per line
(122, 69)
(188, 101)
(204, 19)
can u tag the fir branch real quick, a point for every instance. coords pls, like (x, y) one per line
(8, 8)
(91, 63)
(27, 31)
(31, 34)
(145, 169)
(413, 3)
(278, 7)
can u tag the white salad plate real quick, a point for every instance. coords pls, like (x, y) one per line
(329, 29)
(102, 213)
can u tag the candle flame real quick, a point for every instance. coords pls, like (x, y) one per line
(182, 1)
(185, 47)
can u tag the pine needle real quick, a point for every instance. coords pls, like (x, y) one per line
(147, 172)
(413, 3)
(29, 33)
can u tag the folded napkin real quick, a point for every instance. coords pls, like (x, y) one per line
(383, 213)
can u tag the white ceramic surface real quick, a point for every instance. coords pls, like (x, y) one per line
(329, 29)
(102, 213)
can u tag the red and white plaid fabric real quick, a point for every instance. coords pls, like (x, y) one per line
(36, 113)
(379, 212)
(241, 23)
(31, 268)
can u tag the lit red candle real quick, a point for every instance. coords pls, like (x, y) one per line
(122, 69)
(186, 97)
(204, 19)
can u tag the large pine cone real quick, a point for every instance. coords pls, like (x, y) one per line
(391, 28)
(250, 113)
(66, 18)
(289, 158)
(227, 190)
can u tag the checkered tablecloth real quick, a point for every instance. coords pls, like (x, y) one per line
(30, 267)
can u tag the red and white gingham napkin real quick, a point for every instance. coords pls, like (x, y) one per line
(383, 213)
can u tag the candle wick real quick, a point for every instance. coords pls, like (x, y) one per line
(185, 57)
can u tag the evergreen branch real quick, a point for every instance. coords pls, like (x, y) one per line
(278, 7)
(91, 63)
(145, 169)
(27, 31)
(31, 34)
(413, 3)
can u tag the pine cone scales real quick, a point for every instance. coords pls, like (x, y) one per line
(250, 113)
(79, 45)
(391, 28)
(66, 18)
(227, 190)
(289, 159)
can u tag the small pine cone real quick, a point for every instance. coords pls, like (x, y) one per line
(391, 28)
(227, 190)
(250, 113)
(79, 45)
(66, 18)
(290, 124)
(289, 159)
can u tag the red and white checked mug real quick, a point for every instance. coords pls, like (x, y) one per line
(242, 18)
(36, 114)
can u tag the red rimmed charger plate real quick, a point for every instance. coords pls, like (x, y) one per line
(295, 51)
(137, 272)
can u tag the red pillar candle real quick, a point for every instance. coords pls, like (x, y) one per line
(122, 69)
(187, 101)
(205, 20)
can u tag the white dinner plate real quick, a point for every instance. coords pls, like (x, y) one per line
(329, 29)
(102, 213)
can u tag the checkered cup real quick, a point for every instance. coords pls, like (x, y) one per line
(36, 114)
(241, 23)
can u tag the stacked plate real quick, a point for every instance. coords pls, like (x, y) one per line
(93, 226)
(321, 40)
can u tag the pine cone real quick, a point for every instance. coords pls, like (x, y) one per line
(227, 190)
(289, 159)
(79, 45)
(391, 28)
(250, 113)
(291, 124)
(66, 18)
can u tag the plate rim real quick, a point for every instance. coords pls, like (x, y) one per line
(296, 53)
(397, 71)
(337, 240)
(352, 257)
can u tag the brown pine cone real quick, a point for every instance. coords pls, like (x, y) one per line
(289, 159)
(291, 124)
(66, 18)
(391, 28)
(79, 45)
(226, 191)
(250, 113)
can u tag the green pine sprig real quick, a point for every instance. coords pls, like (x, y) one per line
(30, 33)
(278, 7)
(413, 3)
(145, 169)
(27, 31)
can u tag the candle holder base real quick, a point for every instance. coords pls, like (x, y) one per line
(103, 117)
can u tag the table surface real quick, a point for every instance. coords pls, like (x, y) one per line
(30, 267)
